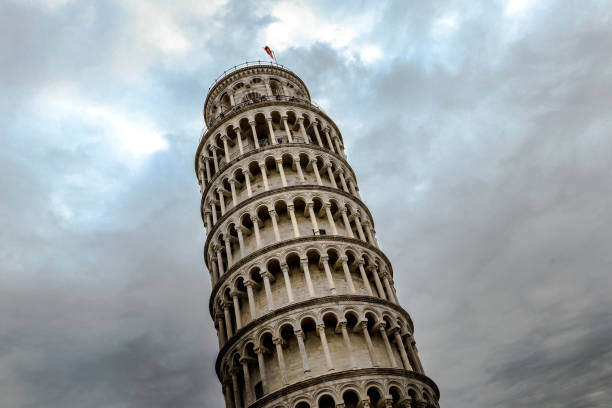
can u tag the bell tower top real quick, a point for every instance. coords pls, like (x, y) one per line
(248, 82)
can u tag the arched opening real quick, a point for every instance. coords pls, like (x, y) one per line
(350, 399)
(375, 397)
(327, 401)
(396, 396)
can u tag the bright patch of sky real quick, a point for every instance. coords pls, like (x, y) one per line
(132, 136)
(300, 24)
(517, 6)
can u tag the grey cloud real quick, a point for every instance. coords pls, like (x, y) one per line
(488, 178)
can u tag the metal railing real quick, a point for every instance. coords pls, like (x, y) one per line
(244, 65)
(274, 98)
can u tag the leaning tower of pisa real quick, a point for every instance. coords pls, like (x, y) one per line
(302, 297)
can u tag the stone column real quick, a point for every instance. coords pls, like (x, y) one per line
(313, 218)
(302, 130)
(343, 182)
(364, 278)
(271, 129)
(255, 141)
(328, 359)
(330, 218)
(268, 89)
(239, 137)
(315, 168)
(366, 335)
(278, 342)
(347, 342)
(330, 174)
(273, 217)
(347, 224)
(339, 149)
(228, 320)
(215, 272)
(316, 131)
(220, 262)
(285, 270)
(300, 339)
(369, 234)
(227, 385)
(247, 381)
(304, 263)
(262, 368)
(228, 250)
(383, 334)
(234, 372)
(289, 137)
(329, 142)
(347, 274)
(225, 148)
(379, 288)
(249, 287)
(359, 228)
(231, 97)
(220, 330)
(236, 299)
(247, 179)
(353, 189)
(291, 211)
(390, 291)
(262, 167)
(281, 171)
(328, 274)
(298, 167)
(400, 345)
(240, 240)
(215, 160)
(221, 202)
(232, 182)
(255, 221)
(207, 163)
(213, 211)
(267, 276)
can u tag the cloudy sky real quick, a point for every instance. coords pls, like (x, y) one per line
(480, 132)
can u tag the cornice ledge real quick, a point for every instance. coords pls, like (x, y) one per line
(277, 245)
(362, 372)
(299, 305)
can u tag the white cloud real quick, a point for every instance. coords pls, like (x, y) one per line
(298, 25)
(444, 26)
(131, 135)
(517, 6)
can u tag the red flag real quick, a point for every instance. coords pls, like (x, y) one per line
(270, 53)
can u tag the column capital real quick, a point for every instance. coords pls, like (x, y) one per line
(227, 305)
(342, 324)
(279, 340)
(252, 122)
(266, 275)
(299, 333)
(250, 284)
(343, 258)
(320, 326)
(272, 212)
(324, 258)
(381, 326)
(290, 207)
(284, 267)
(304, 261)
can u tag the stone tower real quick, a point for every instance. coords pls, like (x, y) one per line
(303, 298)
